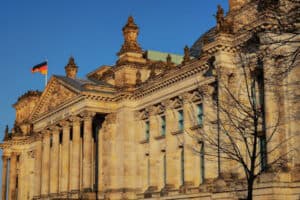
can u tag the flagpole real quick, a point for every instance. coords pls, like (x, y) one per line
(46, 75)
(46, 79)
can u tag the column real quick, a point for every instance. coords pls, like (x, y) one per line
(87, 151)
(54, 165)
(4, 177)
(12, 176)
(64, 178)
(172, 151)
(75, 167)
(45, 163)
(38, 167)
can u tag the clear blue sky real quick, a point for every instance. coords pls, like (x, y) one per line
(90, 30)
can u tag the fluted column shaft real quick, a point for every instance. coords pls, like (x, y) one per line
(12, 176)
(54, 165)
(46, 164)
(64, 178)
(38, 167)
(4, 177)
(87, 153)
(75, 167)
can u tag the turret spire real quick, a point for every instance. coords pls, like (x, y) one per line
(130, 33)
(71, 68)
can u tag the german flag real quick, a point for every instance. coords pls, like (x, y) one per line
(42, 68)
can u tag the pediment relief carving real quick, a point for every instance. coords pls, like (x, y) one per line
(55, 95)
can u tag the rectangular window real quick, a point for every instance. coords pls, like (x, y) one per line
(180, 120)
(263, 152)
(182, 165)
(147, 131)
(202, 163)
(200, 114)
(163, 125)
(148, 170)
(165, 168)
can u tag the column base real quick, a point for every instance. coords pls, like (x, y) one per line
(185, 188)
(166, 190)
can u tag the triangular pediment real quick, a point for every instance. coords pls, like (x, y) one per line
(55, 95)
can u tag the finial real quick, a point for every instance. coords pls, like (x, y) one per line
(71, 68)
(186, 57)
(169, 60)
(130, 33)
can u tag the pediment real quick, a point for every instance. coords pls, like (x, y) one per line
(56, 94)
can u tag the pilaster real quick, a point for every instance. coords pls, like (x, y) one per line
(4, 177)
(38, 166)
(87, 151)
(12, 176)
(75, 167)
(54, 164)
(65, 156)
(46, 164)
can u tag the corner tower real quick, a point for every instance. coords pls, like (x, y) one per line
(130, 55)
(71, 68)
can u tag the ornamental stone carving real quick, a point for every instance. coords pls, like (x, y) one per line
(130, 33)
(87, 115)
(56, 96)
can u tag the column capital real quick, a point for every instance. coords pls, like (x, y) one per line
(54, 128)
(87, 115)
(65, 123)
(5, 157)
(46, 133)
(75, 120)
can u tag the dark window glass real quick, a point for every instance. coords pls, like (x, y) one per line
(163, 125)
(180, 120)
(147, 123)
(200, 114)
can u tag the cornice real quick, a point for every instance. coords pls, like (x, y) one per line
(171, 78)
(21, 141)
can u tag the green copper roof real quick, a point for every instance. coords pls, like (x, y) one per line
(160, 56)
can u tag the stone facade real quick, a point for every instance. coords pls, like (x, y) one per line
(139, 129)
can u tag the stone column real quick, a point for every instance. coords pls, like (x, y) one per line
(46, 164)
(172, 150)
(155, 175)
(4, 177)
(38, 167)
(87, 151)
(75, 167)
(65, 168)
(54, 165)
(12, 176)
